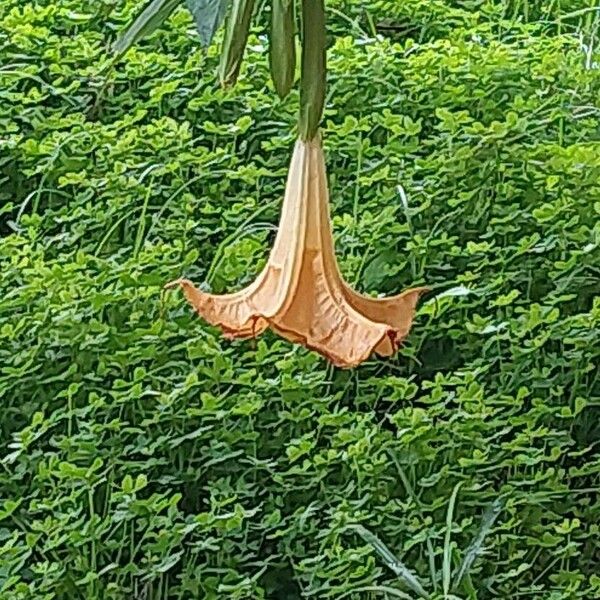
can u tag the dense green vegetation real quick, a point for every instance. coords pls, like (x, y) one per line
(144, 457)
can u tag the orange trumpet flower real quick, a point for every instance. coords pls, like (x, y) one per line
(300, 294)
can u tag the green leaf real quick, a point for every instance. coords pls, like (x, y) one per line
(149, 19)
(141, 481)
(9, 508)
(235, 41)
(313, 75)
(208, 15)
(282, 46)
(127, 484)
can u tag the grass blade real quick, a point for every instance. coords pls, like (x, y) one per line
(476, 546)
(394, 563)
(383, 589)
(411, 492)
(447, 564)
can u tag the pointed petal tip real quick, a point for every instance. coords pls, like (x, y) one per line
(178, 283)
(418, 290)
(286, 296)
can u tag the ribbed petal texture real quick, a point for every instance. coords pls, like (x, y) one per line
(300, 293)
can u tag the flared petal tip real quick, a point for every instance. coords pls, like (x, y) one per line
(181, 283)
(419, 291)
(301, 294)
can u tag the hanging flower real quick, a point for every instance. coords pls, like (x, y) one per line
(300, 294)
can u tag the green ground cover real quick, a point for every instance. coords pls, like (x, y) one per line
(144, 457)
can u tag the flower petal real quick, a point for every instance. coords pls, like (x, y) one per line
(300, 293)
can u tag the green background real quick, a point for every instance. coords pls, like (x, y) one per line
(144, 457)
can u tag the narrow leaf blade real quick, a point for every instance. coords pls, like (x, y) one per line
(447, 560)
(475, 547)
(236, 37)
(208, 16)
(155, 13)
(282, 46)
(313, 75)
(394, 563)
